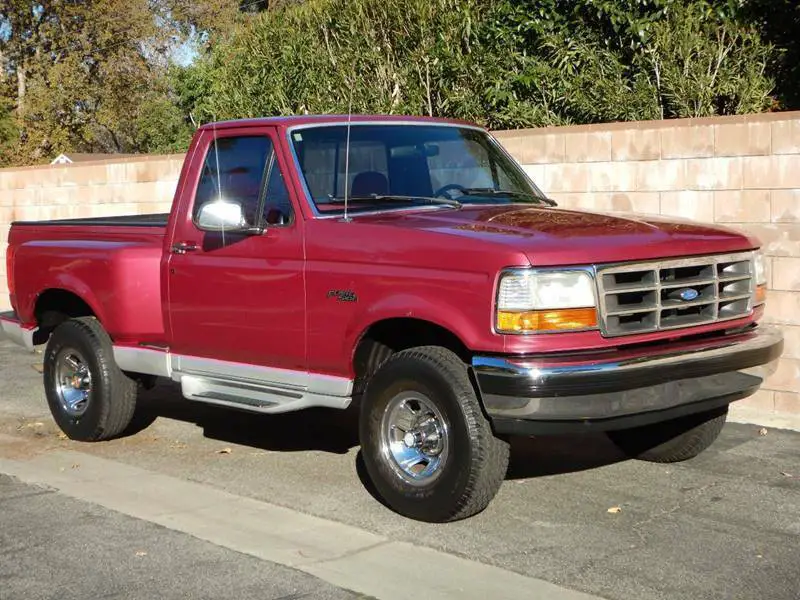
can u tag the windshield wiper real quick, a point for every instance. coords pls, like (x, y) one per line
(393, 198)
(496, 192)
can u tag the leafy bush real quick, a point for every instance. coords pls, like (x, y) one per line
(160, 127)
(80, 76)
(701, 68)
(502, 63)
(401, 56)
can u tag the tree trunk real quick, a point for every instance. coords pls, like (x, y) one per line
(21, 89)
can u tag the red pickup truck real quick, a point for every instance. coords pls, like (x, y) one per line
(409, 265)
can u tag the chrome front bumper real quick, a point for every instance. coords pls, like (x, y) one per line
(624, 388)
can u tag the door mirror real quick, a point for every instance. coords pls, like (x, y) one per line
(221, 215)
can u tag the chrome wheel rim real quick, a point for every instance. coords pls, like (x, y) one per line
(73, 382)
(414, 438)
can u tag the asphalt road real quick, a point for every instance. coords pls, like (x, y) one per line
(723, 525)
(52, 546)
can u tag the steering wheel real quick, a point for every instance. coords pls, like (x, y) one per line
(442, 191)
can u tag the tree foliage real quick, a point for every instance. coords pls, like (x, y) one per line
(8, 133)
(92, 75)
(81, 69)
(503, 63)
(778, 22)
(97, 75)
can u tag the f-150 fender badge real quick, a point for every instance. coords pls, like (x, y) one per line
(343, 295)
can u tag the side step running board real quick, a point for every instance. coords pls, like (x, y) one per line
(246, 387)
(252, 396)
(231, 399)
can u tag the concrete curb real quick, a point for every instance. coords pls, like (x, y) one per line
(340, 554)
(753, 416)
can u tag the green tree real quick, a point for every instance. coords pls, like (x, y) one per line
(82, 68)
(94, 75)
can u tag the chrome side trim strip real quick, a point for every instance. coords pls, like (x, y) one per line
(315, 383)
(14, 331)
(143, 360)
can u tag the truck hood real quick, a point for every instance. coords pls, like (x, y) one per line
(556, 236)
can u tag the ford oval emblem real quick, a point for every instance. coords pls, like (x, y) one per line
(689, 294)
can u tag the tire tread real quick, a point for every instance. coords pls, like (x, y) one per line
(490, 455)
(681, 439)
(119, 405)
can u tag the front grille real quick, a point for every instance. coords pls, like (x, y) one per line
(668, 294)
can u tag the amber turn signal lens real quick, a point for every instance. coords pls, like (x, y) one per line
(546, 320)
(761, 294)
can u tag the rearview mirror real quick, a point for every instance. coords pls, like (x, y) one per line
(221, 215)
(427, 150)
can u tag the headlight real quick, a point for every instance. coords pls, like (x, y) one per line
(760, 274)
(531, 302)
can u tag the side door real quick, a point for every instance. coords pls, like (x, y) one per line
(236, 303)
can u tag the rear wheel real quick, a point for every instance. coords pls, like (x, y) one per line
(90, 398)
(671, 441)
(427, 447)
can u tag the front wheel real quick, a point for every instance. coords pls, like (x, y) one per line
(427, 447)
(90, 398)
(671, 441)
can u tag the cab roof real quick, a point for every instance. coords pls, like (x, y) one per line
(290, 121)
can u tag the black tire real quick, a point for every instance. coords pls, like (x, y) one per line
(473, 461)
(110, 395)
(671, 441)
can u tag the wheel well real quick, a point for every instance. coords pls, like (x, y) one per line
(55, 306)
(386, 337)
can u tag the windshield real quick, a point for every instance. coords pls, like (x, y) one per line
(399, 166)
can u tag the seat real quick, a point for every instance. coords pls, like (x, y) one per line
(368, 183)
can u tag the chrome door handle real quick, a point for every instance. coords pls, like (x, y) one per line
(183, 247)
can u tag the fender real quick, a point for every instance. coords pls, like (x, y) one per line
(62, 273)
(111, 278)
(64, 283)
(437, 311)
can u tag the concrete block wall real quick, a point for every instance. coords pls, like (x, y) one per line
(742, 172)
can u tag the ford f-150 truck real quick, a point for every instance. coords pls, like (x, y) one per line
(408, 265)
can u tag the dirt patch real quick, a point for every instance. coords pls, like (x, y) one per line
(26, 447)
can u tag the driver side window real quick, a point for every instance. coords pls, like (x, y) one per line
(236, 169)
(277, 205)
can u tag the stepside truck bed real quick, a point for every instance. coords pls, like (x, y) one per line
(110, 263)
